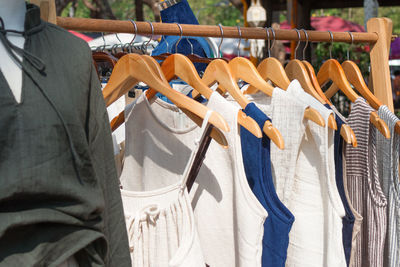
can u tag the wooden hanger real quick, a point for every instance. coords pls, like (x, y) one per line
(332, 70)
(196, 58)
(154, 66)
(345, 131)
(181, 66)
(178, 65)
(132, 68)
(271, 69)
(296, 70)
(243, 69)
(355, 77)
(103, 56)
(219, 72)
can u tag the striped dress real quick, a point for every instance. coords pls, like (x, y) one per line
(364, 188)
(388, 158)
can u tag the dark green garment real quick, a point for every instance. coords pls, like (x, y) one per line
(59, 191)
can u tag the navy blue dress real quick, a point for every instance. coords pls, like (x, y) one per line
(348, 220)
(257, 164)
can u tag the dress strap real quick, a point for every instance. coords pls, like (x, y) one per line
(197, 156)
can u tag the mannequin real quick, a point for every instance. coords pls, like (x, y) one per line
(13, 14)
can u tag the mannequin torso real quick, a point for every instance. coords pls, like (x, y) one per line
(13, 14)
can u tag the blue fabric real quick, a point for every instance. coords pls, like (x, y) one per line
(183, 14)
(348, 219)
(257, 164)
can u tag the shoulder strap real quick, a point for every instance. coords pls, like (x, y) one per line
(198, 154)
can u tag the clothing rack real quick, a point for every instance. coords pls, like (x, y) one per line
(379, 37)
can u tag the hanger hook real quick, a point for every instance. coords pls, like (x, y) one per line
(298, 43)
(306, 45)
(222, 39)
(351, 45)
(191, 45)
(134, 37)
(145, 45)
(165, 40)
(273, 39)
(104, 42)
(180, 37)
(116, 45)
(268, 42)
(330, 47)
(240, 39)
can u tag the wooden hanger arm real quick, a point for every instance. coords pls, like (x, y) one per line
(244, 69)
(314, 81)
(332, 122)
(219, 71)
(271, 69)
(249, 124)
(314, 116)
(117, 121)
(180, 66)
(397, 128)
(380, 124)
(332, 90)
(274, 135)
(348, 135)
(296, 70)
(332, 70)
(355, 77)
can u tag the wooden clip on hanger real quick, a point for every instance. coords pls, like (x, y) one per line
(332, 70)
(296, 70)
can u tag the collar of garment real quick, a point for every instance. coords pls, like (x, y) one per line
(33, 23)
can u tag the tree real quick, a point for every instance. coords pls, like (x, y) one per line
(99, 9)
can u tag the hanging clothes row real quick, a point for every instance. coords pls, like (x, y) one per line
(307, 199)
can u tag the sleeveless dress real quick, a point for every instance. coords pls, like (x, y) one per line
(257, 163)
(387, 159)
(160, 222)
(349, 219)
(364, 188)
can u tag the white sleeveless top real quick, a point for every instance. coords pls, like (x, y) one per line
(160, 222)
(305, 181)
(228, 216)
